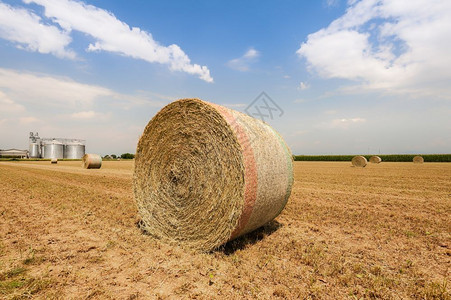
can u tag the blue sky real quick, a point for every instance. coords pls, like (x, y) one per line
(352, 77)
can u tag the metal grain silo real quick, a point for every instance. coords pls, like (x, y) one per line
(53, 149)
(35, 150)
(34, 145)
(74, 150)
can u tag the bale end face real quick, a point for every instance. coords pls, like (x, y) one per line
(359, 161)
(205, 174)
(92, 161)
(418, 159)
(375, 159)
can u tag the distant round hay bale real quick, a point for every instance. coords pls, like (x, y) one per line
(359, 161)
(375, 159)
(206, 174)
(418, 159)
(54, 161)
(92, 161)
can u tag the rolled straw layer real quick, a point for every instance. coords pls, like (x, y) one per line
(418, 159)
(375, 159)
(206, 174)
(359, 161)
(92, 161)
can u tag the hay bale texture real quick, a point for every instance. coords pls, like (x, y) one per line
(206, 174)
(92, 161)
(375, 159)
(418, 159)
(359, 161)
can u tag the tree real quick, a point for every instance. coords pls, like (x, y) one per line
(127, 156)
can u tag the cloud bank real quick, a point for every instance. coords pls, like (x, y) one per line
(395, 46)
(28, 30)
(49, 91)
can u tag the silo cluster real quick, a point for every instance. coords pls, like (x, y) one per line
(55, 147)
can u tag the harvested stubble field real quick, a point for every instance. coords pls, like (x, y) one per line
(377, 232)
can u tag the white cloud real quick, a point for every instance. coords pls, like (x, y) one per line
(345, 123)
(251, 53)
(27, 30)
(396, 46)
(9, 106)
(243, 63)
(331, 3)
(303, 86)
(63, 93)
(49, 91)
(28, 120)
(88, 115)
(113, 35)
(84, 115)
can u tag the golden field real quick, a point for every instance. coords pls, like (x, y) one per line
(381, 232)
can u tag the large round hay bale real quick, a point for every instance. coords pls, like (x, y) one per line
(418, 159)
(54, 161)
(92, 161)
(375, 159)
(206, 174)
(359, 161)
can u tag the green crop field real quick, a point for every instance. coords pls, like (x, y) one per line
(384, 157)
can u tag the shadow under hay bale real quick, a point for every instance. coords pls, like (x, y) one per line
(250, 239)
(239, 243)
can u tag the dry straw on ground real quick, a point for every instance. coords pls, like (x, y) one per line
(359, 161)
(92, 161)
(375, 159)
(418, 159)
(206, 174)
(54, 161)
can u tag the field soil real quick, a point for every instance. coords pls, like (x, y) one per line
(383, 231)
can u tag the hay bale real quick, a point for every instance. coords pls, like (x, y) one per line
(54, 161)
(206, 174)
(359, 161)
(92, 161)
(375, 159)
(418, 159)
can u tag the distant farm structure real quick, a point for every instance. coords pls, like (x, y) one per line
(14, 153)
(58, 148)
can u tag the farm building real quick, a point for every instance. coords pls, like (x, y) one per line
(14, 153)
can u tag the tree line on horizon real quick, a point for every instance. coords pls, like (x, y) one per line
(122, 156)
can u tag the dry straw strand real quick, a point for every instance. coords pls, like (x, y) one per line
(92, 161)
(418, 159)
(375, 159)
(359, 161)
(206, 174)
